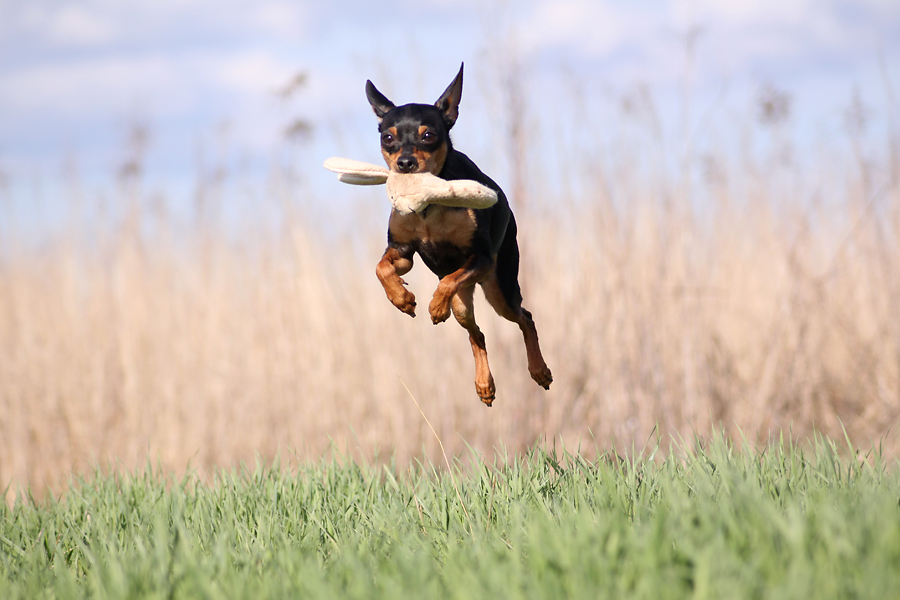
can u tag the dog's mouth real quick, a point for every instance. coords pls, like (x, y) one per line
(416, 161)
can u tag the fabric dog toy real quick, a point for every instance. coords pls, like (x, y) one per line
(412, 192)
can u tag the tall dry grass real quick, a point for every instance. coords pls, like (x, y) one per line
(738, 290)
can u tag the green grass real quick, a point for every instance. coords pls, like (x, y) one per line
(707, 521)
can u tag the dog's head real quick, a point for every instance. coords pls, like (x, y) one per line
(415, 138)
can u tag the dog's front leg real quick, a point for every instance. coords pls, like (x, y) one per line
(475, 269)
(389, 269)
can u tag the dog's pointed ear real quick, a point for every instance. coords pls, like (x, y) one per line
(448, 103)
(380, 104)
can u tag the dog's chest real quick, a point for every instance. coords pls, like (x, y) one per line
(437, 225)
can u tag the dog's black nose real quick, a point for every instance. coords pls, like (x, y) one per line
(407, 164)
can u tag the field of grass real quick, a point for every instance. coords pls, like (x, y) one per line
(707, 521)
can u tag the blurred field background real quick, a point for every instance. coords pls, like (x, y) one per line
(729, 275)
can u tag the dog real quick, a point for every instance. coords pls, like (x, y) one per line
(462, 246)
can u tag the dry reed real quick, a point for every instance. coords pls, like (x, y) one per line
(750, 298)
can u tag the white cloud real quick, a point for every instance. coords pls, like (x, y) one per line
(93, 23)
(595, 27)
(86, 86)
(254, 71)
(77, 25)
(737, 37)
(286, 19)
(733, 12)
(190, 62)
(170, 83)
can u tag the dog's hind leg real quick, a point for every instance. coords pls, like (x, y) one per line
(495, 295)
(464, 311)
(475, 269)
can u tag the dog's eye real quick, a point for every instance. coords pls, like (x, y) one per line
(387, 138)
(429, 137)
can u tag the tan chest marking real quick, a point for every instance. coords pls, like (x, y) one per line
(439, 225)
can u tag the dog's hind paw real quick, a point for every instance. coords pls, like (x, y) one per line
(484, 387)
(542, 377)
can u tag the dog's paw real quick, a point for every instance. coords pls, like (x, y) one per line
(542, 376)
(405, 302)
(439, 309)
(486, 390)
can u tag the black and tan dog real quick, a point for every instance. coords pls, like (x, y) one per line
(462, 246)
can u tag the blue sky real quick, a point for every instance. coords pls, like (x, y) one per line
(74, 76)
